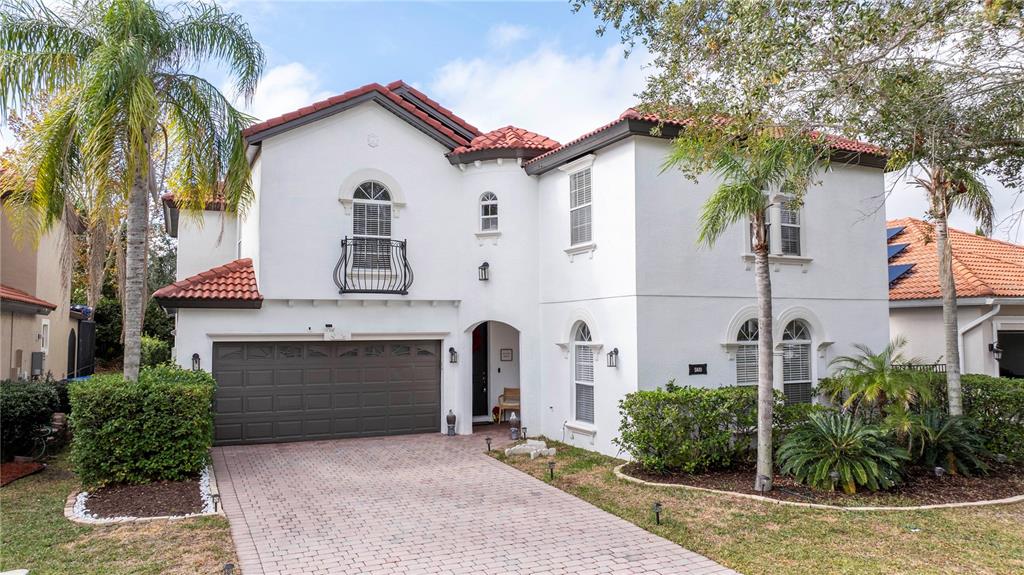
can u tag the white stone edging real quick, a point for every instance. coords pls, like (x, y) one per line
(75, 510)
(1015, 499)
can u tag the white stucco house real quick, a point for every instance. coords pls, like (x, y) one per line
(399, 264)
(989, 277)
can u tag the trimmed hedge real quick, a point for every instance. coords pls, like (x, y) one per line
(996, 406)
(24, 407)
(154, 351)
(157, 428)
(694, 429)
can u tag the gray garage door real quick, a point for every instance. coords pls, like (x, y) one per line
(294, 391)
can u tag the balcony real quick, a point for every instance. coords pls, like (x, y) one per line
(370, 265)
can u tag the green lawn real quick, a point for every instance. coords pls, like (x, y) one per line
(753, 537)
(35, 535)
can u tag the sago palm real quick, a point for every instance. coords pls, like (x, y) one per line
(753, 171)
(116, 74)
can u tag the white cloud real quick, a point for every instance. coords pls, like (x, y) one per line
(547, 91)
(285, 88)
(505, 35)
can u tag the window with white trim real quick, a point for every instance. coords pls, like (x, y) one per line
(580, 221)
(488, 212)
(797, 383)
(789, 227)
(583, 374)
(371, 223)
(44, 336)
(746, 353)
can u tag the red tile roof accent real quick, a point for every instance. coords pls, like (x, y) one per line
(982, 267)
(433, 104)
(8, 293)
(836, 142)
(341, 98)
(234, 281)
(508, 138)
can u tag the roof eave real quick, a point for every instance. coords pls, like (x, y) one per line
(170, 303)
(524, 154)
(15, 306)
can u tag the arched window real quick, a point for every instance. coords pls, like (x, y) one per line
(371, 226)
(583, 374)
(488, 212)
(796, 362)
(746, 353)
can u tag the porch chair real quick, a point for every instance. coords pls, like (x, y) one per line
(508, 401)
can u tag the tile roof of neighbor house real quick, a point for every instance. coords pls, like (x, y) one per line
(10, 294)
(982, 267)
(232, 282)
(508, 138)
(385, 91)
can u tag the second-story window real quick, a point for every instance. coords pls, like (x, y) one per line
(488, 212)
(789, 225)
(371, 226)
(580, 221)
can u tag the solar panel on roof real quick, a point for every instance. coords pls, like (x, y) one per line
(895, 249)
(890, 232)
(896, 272)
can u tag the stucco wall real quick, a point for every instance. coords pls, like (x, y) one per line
(205, 240)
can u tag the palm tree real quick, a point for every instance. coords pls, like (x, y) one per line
(884, 381)
(116, 75)
(949, 188)
(753, 169)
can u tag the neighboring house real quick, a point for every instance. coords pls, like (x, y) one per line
(989, 278)
(40, 334)
(398, 263)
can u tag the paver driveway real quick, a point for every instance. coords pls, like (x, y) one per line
(421, 504)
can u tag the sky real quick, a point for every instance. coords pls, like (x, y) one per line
(536, 65)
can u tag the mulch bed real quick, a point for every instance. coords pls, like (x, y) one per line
(920, 487)
(149, 500)
(13, 471)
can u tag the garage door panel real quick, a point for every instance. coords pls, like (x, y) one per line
(288, 391)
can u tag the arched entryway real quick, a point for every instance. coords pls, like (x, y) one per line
(494, 371)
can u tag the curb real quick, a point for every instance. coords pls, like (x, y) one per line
(1015, 499)
(69, 510)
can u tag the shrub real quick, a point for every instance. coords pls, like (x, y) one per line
(693, 429)
(996, 406)
(24, 407)
(840, 442)
(154, 351)
(950, 442)
(63, 402)
(157, 428)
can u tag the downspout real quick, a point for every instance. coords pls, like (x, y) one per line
(960, 335)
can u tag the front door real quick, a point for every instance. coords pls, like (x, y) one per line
(480, 399)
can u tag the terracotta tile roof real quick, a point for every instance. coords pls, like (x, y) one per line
(836, 142)
(508, 138)
(982, 267)
(374, 87)
(232, 282)
(398, 84)
(8, 293)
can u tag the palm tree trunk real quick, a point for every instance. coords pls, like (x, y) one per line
(765, 360)
(135, 272)
(97, 261)
(950, 324)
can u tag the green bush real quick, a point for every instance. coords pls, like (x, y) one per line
(839, 442)
(942, 440)
(24, 407)
(157, 428)
(996, 406)
(694, 429)
(154, 351)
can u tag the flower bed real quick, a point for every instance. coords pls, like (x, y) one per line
(156, 500)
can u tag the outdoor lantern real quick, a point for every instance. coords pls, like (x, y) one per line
(453, 356)
(1000, 458)
(940, 471)
(765, 482)
(657, 512)
(551, 468)
(488, 440)
(229, 568)
(513, 426)
(450, 418)
(997, 352)
(485, 271)
(524, 432)
(834, 475)
(195, 362)
(613, 358)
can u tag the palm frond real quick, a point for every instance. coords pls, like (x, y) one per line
(971, 194)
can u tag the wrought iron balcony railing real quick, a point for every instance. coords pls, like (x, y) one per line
(370, 265)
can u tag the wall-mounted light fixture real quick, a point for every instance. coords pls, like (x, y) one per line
(195, 362)
(997, 352)
(453, 356)
(485, 271)
(613, 358)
